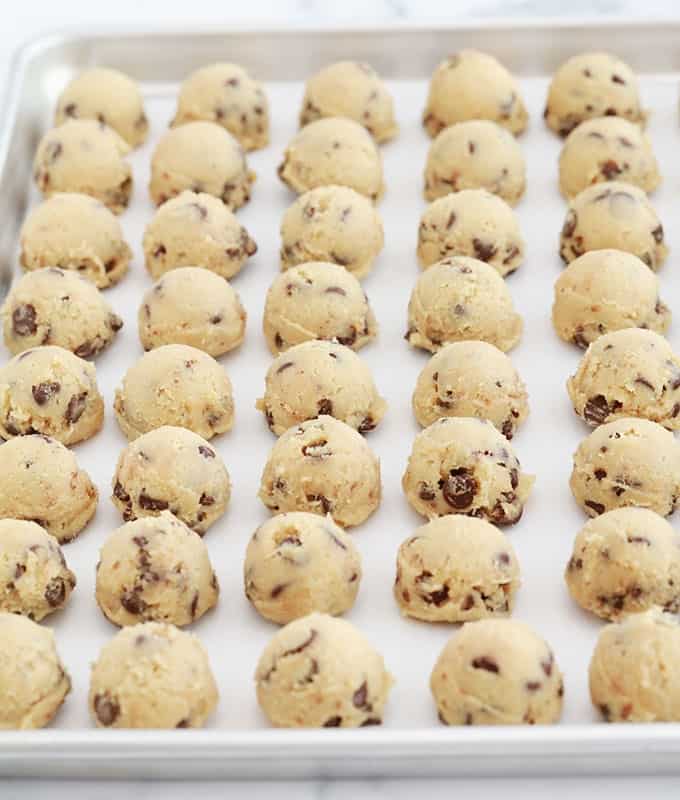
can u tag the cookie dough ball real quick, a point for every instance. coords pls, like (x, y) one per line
(171, 468)
(459, 299)
(84, 156)
(318, 377)
(34, 578)
(75, 232)
(333, 224)
(604, 291)
(59, 307)
(497, 672)
(463, 465)
(298, 563)
(333, 151)
(196, 229)
(628, 462)
(152, 675)
(108, 96)
(192, 306)
(456, 569)
(471, 379)
(473, 223)
(317, 301)
(226, 94)
(624, 562)
(201, 157)
(605, 149)
(320, 672)
(353, 90)
(33, 681)
(475, 155)
(592, 85)
(325, 467)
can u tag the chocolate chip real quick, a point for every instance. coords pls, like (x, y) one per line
(426, 492)
(151, 503)
(159, 251)
(569, 224)
(350, 338)
(468, 603)
(360, 697)
(471, 147)
(307, 642)
(132, 602)
(45, 391)
(55, 592)
(600, 473)
(106, 709)
(610, 169)
(597, 409)
(503, 558)
(326, 504)
(644, 382)
(201, 209)
(639, 540)
(547, 665)
(333, 722)
(276, 591)
(437, 597)
(324, 406)
(459, 488)
(205, 451)
(484, 251)
(216, 319)
(206, 500)
(367, 424)
(75, 408)
(293, 540)
(194, 606)
(284, 367)
(618, 79)
(24, 320)
(120, 493)
(485, 663)
(657, 233)
(533, 686)
(598, 508)
(507, 429)
(316, 449)
(86, 350)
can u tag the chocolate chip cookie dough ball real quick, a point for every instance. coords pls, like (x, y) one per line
(592, 85)
(34, 578)
(171, 468)
(152, 675)
(353, 90)
(33, 681)
(471, 379)
(614, 216)
(40, 481)
(192, 306)
(333, 151)
(86, 157)
(604, 291)
(333, 224)
(475, 155)
(317, 301)
(624, 562)
(456, 569)
(200, 157)
(497, 672)
(628, 462)
(319, 377)
(298, 563)
(226, 94)
(459, 299)
(472, 223)
(108, 96)
(472, 85)
(320, 672)
(175, 385)
(325, 467)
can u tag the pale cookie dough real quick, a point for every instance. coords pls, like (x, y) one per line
(628, 462)
(475, 155)
(605, 149)
(84, 156)
(298, 563)
(320, 672)
(74, 231)
(604, 291)
(325, 467)
(459, 299)
(193, 306)
(628, 373)
(456, 569)
(155, 569)
(108, 96)
(463, 465)
(333, 151)
(34, 578)
(592, 85)
(59, 307)
(497, 672)
(193, 229)
(175, 385)
(33, 681)
(354, 90)
(614, 215)
(171, 468)
(226, 94)
(317, 301)
(319, 377)
(471, 379)
(51, 391)
(472, 222)
(152, 675)
(624, 562)
(334, 224)
(201, 157)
